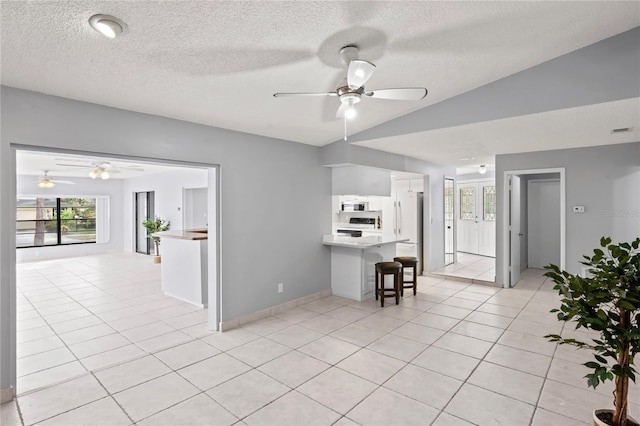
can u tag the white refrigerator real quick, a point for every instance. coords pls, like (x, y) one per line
(407, 224)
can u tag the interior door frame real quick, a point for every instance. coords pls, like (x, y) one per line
(506, 211)
(150, 212)
(214, 243)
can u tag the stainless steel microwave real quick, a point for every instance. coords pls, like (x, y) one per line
(354, 207)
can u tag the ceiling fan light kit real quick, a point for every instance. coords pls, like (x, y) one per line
(102, 171)
(483, 169)
(47, 182)
(351, 89)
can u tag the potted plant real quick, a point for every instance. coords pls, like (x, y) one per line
(608, 302)
(153, 226)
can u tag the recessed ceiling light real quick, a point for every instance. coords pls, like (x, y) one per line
(107, 25)
(467, 158)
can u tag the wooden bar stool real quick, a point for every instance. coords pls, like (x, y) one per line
(408, 262)
(388, 268)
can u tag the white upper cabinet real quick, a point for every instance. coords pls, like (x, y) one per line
(407, 185)
(360, 180)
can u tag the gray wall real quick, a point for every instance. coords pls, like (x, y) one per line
(266, 237)
(604, 179)
(263, 181)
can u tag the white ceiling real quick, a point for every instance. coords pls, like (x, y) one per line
(33, 163)
(218, 63)
(471, 145)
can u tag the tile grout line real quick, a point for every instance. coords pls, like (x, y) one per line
(324, 334)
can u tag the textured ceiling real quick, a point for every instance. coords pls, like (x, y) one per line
(218, 63)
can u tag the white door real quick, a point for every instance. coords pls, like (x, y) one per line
(467, 218)
(543, 223)
(195, 208)
(514, 230)
(477, 218)
(487, 219)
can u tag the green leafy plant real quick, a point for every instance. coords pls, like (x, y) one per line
(153, 226)
(608, 302)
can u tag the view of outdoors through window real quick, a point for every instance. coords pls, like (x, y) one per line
(55, 221)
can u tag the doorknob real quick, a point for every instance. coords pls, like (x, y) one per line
(521, 235)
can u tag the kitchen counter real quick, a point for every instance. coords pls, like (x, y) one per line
(184, 234)
(184, 265)
(358, 242)
(353, 262)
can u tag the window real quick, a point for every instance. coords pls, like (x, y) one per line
(448, 203)
(489, 202)
(55, 221)
(467, 203)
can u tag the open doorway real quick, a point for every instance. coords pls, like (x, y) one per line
(470, 229)
(85, 305)
(534, 232)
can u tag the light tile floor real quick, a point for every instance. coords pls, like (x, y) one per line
(470, 267)
(456, 353)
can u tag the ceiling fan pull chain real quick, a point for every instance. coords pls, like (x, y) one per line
(345, 127)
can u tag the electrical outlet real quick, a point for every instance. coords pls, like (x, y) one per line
(280, 287)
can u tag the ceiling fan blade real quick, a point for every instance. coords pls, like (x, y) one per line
(342, 110)
(284, 95)
(359, 73)
(64, 182)
(400, 94)
(77, 166)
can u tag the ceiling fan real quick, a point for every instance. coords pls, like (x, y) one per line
(102, 168)
(45, 181)
(351, 90)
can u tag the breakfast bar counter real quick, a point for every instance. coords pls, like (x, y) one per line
(353, 262)
(184, 265)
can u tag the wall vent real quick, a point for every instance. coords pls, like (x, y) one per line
(622, 130)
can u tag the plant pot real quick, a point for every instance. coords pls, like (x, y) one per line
(597, 421)
(156, 259)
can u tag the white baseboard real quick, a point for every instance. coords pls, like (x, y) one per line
(186, 301)
(6, 395)
(274, 310)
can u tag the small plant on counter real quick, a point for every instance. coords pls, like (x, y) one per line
(153, 226)
(608, 302)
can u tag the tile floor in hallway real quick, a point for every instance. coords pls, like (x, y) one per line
(470, 267)
(100, 344)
